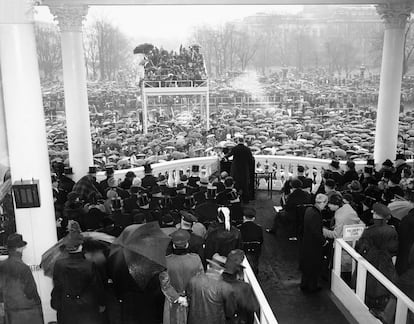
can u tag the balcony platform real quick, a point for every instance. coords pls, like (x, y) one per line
(279, 276)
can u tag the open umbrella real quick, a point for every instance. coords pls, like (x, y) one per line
(142, 248)
(143, 48)
(57, 251)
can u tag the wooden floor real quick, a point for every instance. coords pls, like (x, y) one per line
(279, 276)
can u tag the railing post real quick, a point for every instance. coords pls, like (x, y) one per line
(401, 312)
(361, 283)
(337, 258)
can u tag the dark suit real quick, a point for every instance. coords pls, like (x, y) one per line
(242, 169)
(252, 240)
(295, 211)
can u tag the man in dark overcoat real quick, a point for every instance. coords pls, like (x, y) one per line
(78, 293)
(406, 242)
(378, 244)
(294, 208)
(242, 168)
(312, 245)
(18, 289)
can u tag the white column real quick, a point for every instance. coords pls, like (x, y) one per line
(26, 134)
(4, 150)
(386, 134)
(74, 77)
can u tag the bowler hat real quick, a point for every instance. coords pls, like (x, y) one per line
(234, 261)
(217, 261)
(15, 241)
(301, 168)
(381, 210)
(180, 238)
(188, 217)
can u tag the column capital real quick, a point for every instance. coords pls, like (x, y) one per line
(17, 11)
(69, 17)
(395, 15)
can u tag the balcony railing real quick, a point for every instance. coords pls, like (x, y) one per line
(281, 167)
(354, 300)
(175, 84)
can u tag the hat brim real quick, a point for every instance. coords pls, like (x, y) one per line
(18, 245)
(216, 264)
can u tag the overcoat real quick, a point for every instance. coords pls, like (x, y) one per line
(378, 244)
(406, 241)
(18, 292)
(312, 243)
(181, 267)
(241, 169)
(77, 291)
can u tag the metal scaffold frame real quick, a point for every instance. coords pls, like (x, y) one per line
(174, 88)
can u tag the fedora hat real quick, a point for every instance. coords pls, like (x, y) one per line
(15, 241)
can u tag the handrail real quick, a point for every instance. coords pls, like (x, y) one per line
(265, 315)
(363, 266)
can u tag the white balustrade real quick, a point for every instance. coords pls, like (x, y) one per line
(354, 300)
(265, 314)
(282, 167)
(211, 164)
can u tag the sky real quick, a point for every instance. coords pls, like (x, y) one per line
(169, 25)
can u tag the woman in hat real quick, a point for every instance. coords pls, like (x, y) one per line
(378, 244)
(17, 286)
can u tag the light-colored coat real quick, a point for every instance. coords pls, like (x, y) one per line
(181, 268)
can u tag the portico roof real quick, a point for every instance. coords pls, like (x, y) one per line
(218, 2)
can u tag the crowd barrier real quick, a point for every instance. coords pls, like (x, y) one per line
(265, 314)
(354, 300)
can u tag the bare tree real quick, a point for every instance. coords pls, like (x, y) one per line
(247, 45)
(48, 50)
(408, 45)
(108, 49)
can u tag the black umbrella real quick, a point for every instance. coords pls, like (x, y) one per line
(141, 248)
(143, 48)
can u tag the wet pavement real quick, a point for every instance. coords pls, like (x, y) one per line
(280, 278)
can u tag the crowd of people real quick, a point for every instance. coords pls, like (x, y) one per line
(185, 65)
(209, 234)
(307, 118)
(382, 200)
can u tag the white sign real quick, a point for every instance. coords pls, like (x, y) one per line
(352, 232)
